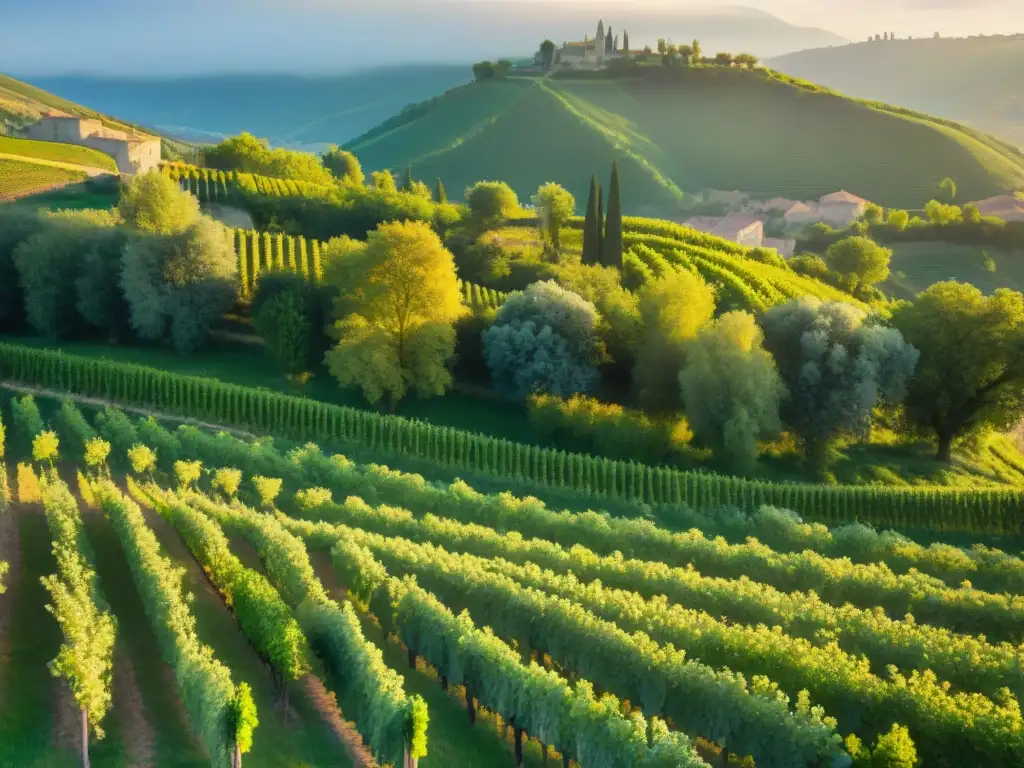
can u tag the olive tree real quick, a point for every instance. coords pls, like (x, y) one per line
(178, 285)
(837, 367)
(544, 340)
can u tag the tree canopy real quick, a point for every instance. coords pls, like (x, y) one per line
(491, 200)
(555, 206)
(395, 308)
(154, 203)
(343, 165)
(249, 154)
(861, 262)
(731, 388)
(672, 310)
(836, 367)
(971, 371)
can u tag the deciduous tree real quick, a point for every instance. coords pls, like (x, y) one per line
(554, 205)
(861, 261)
(836, 367)
(344, 166)
(490, 201)
(731, 388)
(396, 308)
(672, 310)
(971, 372)
(154, 203)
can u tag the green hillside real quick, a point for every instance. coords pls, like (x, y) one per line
(60, 153)
(976, 80)
(685, 131)
(18, 179)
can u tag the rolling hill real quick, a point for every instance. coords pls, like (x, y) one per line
(686, 130)
(976, 80)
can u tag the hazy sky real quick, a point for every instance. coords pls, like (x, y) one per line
(144, 36)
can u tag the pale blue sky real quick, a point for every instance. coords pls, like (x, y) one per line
(124, 36)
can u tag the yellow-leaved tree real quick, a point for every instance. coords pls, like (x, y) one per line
(397, 301)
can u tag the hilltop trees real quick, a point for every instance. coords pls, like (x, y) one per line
(971, 371)
(344, 166)
(836, 367)
(672, 310)
(544, 340)
(555, 205)
(731, 389)
(396, 307)
(248, 154)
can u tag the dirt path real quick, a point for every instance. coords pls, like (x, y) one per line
(130, 711)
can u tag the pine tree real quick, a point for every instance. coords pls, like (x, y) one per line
(591, 237)
(439, 194)
(612, 253)
(600, 224)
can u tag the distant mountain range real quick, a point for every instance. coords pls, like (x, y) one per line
(976, 80)
(313, 108)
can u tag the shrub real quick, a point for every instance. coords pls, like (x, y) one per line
(491, 200)
(46, 448)
(28, 485)
(155, 204)
(97, 450)
(118, 430)
(227, 481)
(268, 489)
(74, 431)
(543, 340)
(311, 498)
(583, 424)
(283, 321)
(26, 422)
(188, 473)
(142, 459)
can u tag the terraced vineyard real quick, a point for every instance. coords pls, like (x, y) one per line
(57, 152)
(18, 179)
(528, 634)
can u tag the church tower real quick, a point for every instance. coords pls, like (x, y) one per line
(599, 43)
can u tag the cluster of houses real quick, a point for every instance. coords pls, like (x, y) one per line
(838, 210)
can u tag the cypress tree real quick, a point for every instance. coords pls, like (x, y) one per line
(600, 224)
(625, 42)
(612, 252)
(407, 184)
(591, 238)
(439, 194)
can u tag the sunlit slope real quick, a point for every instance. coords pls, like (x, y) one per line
(701, 129)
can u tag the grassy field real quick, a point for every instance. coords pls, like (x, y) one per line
(19, 179)
(708, 128)
(73, 197)
(61, 153)
(915, 266)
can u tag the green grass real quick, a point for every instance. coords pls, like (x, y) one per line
(73, 197)
(19, 179)
(705, 128)
(57, 152)
(915, 266)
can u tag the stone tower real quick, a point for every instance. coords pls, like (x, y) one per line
(599, 44)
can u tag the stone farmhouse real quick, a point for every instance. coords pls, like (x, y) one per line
(134, 154)
(738, 227)
(1005, 207)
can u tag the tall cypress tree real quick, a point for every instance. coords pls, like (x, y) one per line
(591, 238)
(407, 184)
(600, 224)
(439, 194)
(612, 252)
(625, 42)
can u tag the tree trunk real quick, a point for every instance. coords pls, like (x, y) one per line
(412, 659)
(519, 743)
(470, 705)
(444, 682)
(565, 760)
(236, 758)
(85, 738)
(945, 452)
(407, 760)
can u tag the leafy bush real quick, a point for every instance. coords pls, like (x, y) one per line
(26, 423)
(73, 429)
(607, 429)
(491, 200)
(543, 340)
(268, 489)
(117, 429)
(154, 204)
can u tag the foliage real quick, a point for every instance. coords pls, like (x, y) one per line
(26, 423)
(268, 489)
(188, 473)
(554, 206)
(898, 220)
(943, 214)
(592, 234)
(46, 448)
(836, 367)
(970, 374)
(490, 201)
(895, 749)
(227, 480)
(396, 305)
(861, 262)
(86, 657)
(588, 425)
(142, 459)
(543, 340)
(154, 204)
(283, 322)
(205, 684)
(251, 155)
(612, 249)
(97, 451)
(731, 389)
(344, 166)
(118, 430)
(72, 428)
(29, 491)
(179, 285)
(673, 309)
(947, 188)
(100, 300)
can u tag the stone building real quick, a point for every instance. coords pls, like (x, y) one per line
(590, 54)
(133, 154)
